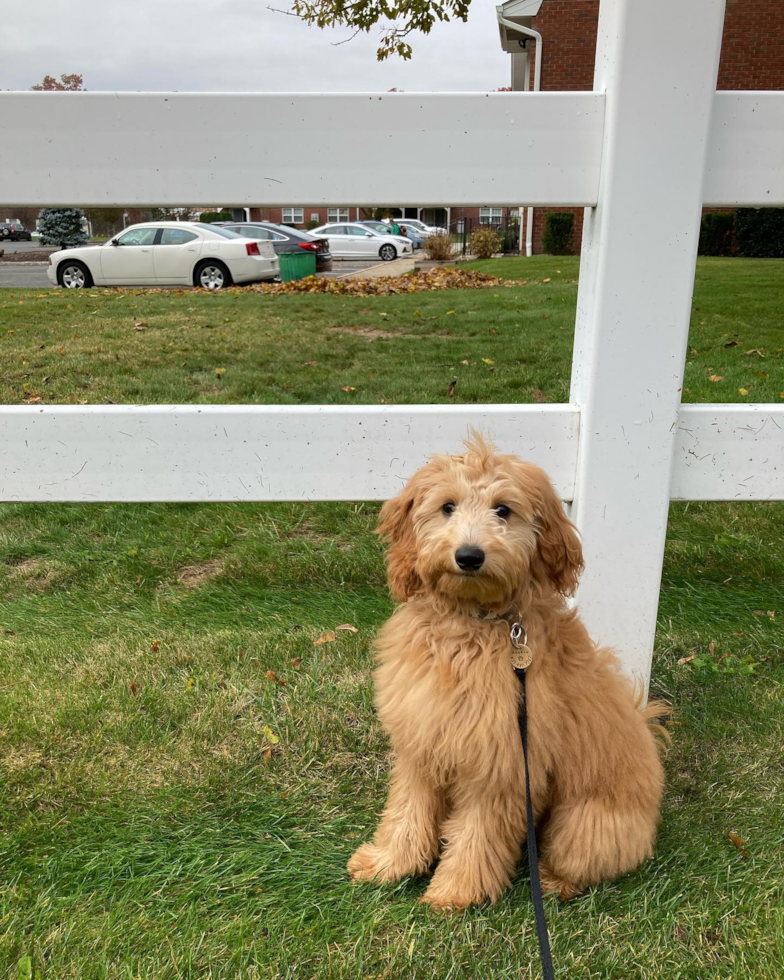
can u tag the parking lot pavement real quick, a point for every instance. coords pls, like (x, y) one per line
(23, 276)
(10, 246)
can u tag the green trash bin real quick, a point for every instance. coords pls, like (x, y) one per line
(296, 265)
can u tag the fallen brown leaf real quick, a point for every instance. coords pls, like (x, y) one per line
(715, 377)
(156, 646)
(347, 626)
(687, 660)
(132, 688)
(753, 351)
(272, 676)
(739, 843)
(325, 638)
(450, 391)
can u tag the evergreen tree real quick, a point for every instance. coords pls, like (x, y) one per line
(62, 226)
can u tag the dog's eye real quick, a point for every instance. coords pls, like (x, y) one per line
(448, 508)
(502, 511)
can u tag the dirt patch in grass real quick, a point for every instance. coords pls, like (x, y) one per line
(37, 573)
(192, 576)
(372, 333)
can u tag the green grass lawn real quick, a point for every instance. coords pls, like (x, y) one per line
(183, 772)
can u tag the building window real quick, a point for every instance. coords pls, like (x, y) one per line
(315, 216)
(292, 216)
(337, 214)
(490, 216)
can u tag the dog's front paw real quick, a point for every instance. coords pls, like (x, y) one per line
(370, 863)
(443, 898)
(552, 884)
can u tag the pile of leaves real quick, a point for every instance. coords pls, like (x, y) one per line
(411, 282)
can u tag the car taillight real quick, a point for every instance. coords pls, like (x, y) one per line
(310, 246)
(252, 248)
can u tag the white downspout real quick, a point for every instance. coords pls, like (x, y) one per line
(529, 32)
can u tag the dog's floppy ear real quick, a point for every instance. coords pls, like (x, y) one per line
(397, 527)
(558, 543)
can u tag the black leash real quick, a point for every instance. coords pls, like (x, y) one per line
(533, 857)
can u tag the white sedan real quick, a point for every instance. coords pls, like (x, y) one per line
(166, 253)
(353, 241)
(419, 225)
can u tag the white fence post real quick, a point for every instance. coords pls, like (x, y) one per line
(657, 64)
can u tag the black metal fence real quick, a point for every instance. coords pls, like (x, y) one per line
(507, 229)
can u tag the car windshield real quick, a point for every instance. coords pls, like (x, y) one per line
(221, 232)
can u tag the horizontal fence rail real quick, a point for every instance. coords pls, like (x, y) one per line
(745, 163)
(227, 452)
(120, 453)
(543, 148)
(173, 149)
(729, 452)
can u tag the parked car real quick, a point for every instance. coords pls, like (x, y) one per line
(414, 235)
(352, 240)
(419, 225)
(156, 253)
(284, 239)
(15, 232)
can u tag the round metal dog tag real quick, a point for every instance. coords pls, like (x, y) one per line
(522, 657)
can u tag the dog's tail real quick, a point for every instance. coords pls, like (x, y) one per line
(656, 714)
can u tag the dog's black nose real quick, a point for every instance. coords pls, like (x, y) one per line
(470, 559)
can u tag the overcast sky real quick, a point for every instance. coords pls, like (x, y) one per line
(233, 46)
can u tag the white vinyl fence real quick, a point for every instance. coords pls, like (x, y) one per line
(643, 153)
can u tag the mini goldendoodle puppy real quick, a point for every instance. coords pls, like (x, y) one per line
(479, 541)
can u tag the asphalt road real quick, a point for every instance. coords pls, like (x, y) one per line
(23, 276)
(10, 246)
(19, 276)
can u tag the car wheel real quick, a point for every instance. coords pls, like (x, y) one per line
(74, 275)
(388, 252)
(212, 275)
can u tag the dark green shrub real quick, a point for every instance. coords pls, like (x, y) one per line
(717, 233)
(557, 238)
(311, 224)
(760, 232)
(209, 216)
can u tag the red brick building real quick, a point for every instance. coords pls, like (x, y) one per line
(752, 54)
(301, 215)
(752, 57)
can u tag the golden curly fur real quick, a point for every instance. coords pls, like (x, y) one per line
(448, 698)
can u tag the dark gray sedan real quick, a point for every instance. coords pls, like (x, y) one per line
(284, 239)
